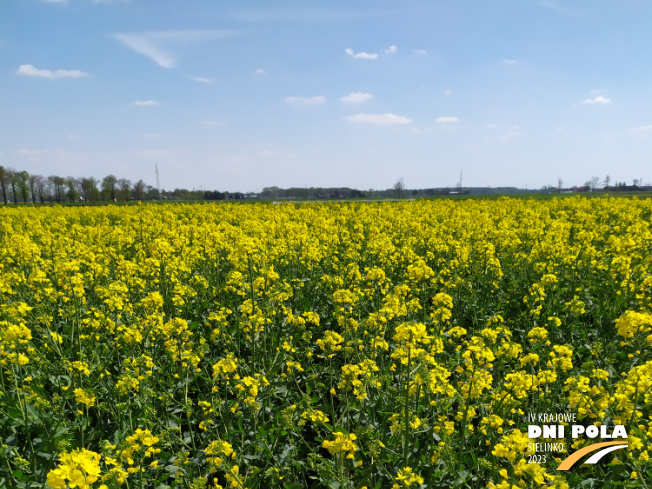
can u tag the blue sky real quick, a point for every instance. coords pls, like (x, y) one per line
(243, 95)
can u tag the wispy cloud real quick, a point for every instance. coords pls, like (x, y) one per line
(645, 128)
(214, 123)
(155, 135)
(391, 49)
(447, 120)
(39, 153)
(448, 92)
(361, 55)
(29, 70)
(551, 6)
(299, 15)
(202, 79)
(145, 103)
(55, 1)
(597, 100)
(306, 101)
(424, 130)
(378, 119)
(421, 52)
(156, 45)
(260, 71)
(356, 97)
(510, 61)
(510, 134)
(268, 153)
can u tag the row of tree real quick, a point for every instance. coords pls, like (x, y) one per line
(23, 186)
(595, 184)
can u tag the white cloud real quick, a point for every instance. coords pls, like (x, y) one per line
(145, 103)
(447, 120)
(361, 55)
(260, 71)
(356, 97)
(155, 45)
(447, 92)
(202, 79)
(55, 1)
(73, 136)
(510, 61)
(29, 70)
(306, 101)
(597, 100)
(391, 49)
(155, 135)
(645, 128)
(422, 52)
(378, 119)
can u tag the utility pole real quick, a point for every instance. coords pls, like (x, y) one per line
(158, 183)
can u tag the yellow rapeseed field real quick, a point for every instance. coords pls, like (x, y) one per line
(341, 345)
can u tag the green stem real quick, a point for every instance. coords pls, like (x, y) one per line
(406, 415)
(466, 408)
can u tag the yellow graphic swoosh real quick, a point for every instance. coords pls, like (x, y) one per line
(570, 461)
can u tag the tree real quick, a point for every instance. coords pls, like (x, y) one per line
(57, 185)
(607, 179)
(72, 193)
(399, 187)
(20, 186)
(5, 178)
(108, 187)
(125, 189)
(89, 189)
(40, 187)
(560, 184)
(13, 181)
(152, 193)
(139, 190)
(32, 187)
(594, 183)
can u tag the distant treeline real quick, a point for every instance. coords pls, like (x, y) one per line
(21, 186)
(351, 193)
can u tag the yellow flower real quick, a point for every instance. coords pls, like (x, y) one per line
(406, 478)
(342, 443)
(80, 468)
(84, 397)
